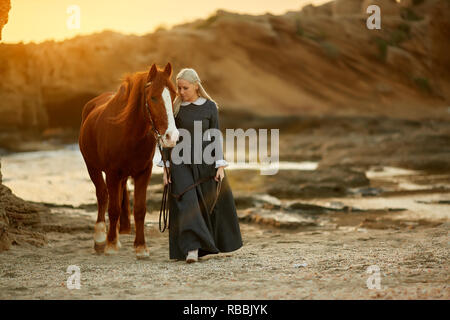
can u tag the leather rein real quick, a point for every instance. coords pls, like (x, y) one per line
(164, 209)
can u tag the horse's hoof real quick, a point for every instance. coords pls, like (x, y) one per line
(99, 247)
(142, 252)
(112, 248)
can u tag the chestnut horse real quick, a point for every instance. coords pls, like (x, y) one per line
(117, 137)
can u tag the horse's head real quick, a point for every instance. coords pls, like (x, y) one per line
(159, 95)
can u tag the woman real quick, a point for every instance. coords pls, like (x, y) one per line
(193, 231)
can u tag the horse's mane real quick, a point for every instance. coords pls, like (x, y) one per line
(130, 91)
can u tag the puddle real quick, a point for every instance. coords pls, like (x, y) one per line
(389, 172)
(426, 206)
(398, 179)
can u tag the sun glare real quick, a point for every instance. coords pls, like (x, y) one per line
(38, 21)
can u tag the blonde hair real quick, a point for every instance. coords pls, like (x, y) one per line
(190, 75)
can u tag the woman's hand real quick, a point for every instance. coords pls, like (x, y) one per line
(165, 178)
(219, 174)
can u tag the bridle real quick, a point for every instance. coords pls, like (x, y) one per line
(164, 210)
(156, 133)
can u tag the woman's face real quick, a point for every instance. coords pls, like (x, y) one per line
(187, 90)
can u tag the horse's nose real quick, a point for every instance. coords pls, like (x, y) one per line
(172, 136)
(176, 135)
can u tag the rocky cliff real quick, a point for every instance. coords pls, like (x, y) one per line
(320, 60)
(5, 6)
(20, 221)
(18, 218)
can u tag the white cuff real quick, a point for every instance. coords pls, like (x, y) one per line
(161, 163)
(221, 163)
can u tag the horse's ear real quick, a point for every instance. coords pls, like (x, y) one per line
(168, 70)
(152, 73)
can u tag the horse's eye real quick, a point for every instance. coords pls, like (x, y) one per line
(154, 99)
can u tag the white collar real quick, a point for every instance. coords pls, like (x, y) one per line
(198, 102)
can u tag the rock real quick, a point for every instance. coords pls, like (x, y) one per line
(312, 209)
(346, 7)
(248, 199)
(327, 182)
(298, 265)
(439, 46)
(402, 60)
(307, 208)
(419, 150)
(5, 6)
(396, 209)
(5, 242)
(337, 205)
(45, 85)
(243, 199)
(279, 219)
(267, 201)
(367, 191)
(312, 10)
(19, 212)
(309, 10)
(19, 220)
(306, 191)
(387, 7)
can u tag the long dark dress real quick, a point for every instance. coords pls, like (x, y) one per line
(190, 225)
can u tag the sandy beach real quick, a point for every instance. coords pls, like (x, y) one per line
(308, 234)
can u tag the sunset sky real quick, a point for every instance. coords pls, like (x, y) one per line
(40, 20)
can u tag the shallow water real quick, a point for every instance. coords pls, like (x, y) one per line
(60, 176)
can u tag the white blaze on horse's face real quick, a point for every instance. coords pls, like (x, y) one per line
(170, 137)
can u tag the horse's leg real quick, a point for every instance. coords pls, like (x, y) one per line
(125, 227)
(102, 201)
(113, 183)
(140, 209)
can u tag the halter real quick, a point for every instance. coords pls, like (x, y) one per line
(147, 107)
(164, 210)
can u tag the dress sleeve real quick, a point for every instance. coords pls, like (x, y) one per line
(220, 161)
(166, 154)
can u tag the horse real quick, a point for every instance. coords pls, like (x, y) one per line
(118, 136)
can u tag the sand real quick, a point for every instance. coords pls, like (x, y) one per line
(272, 264)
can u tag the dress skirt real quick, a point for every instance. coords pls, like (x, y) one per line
(190, 224)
